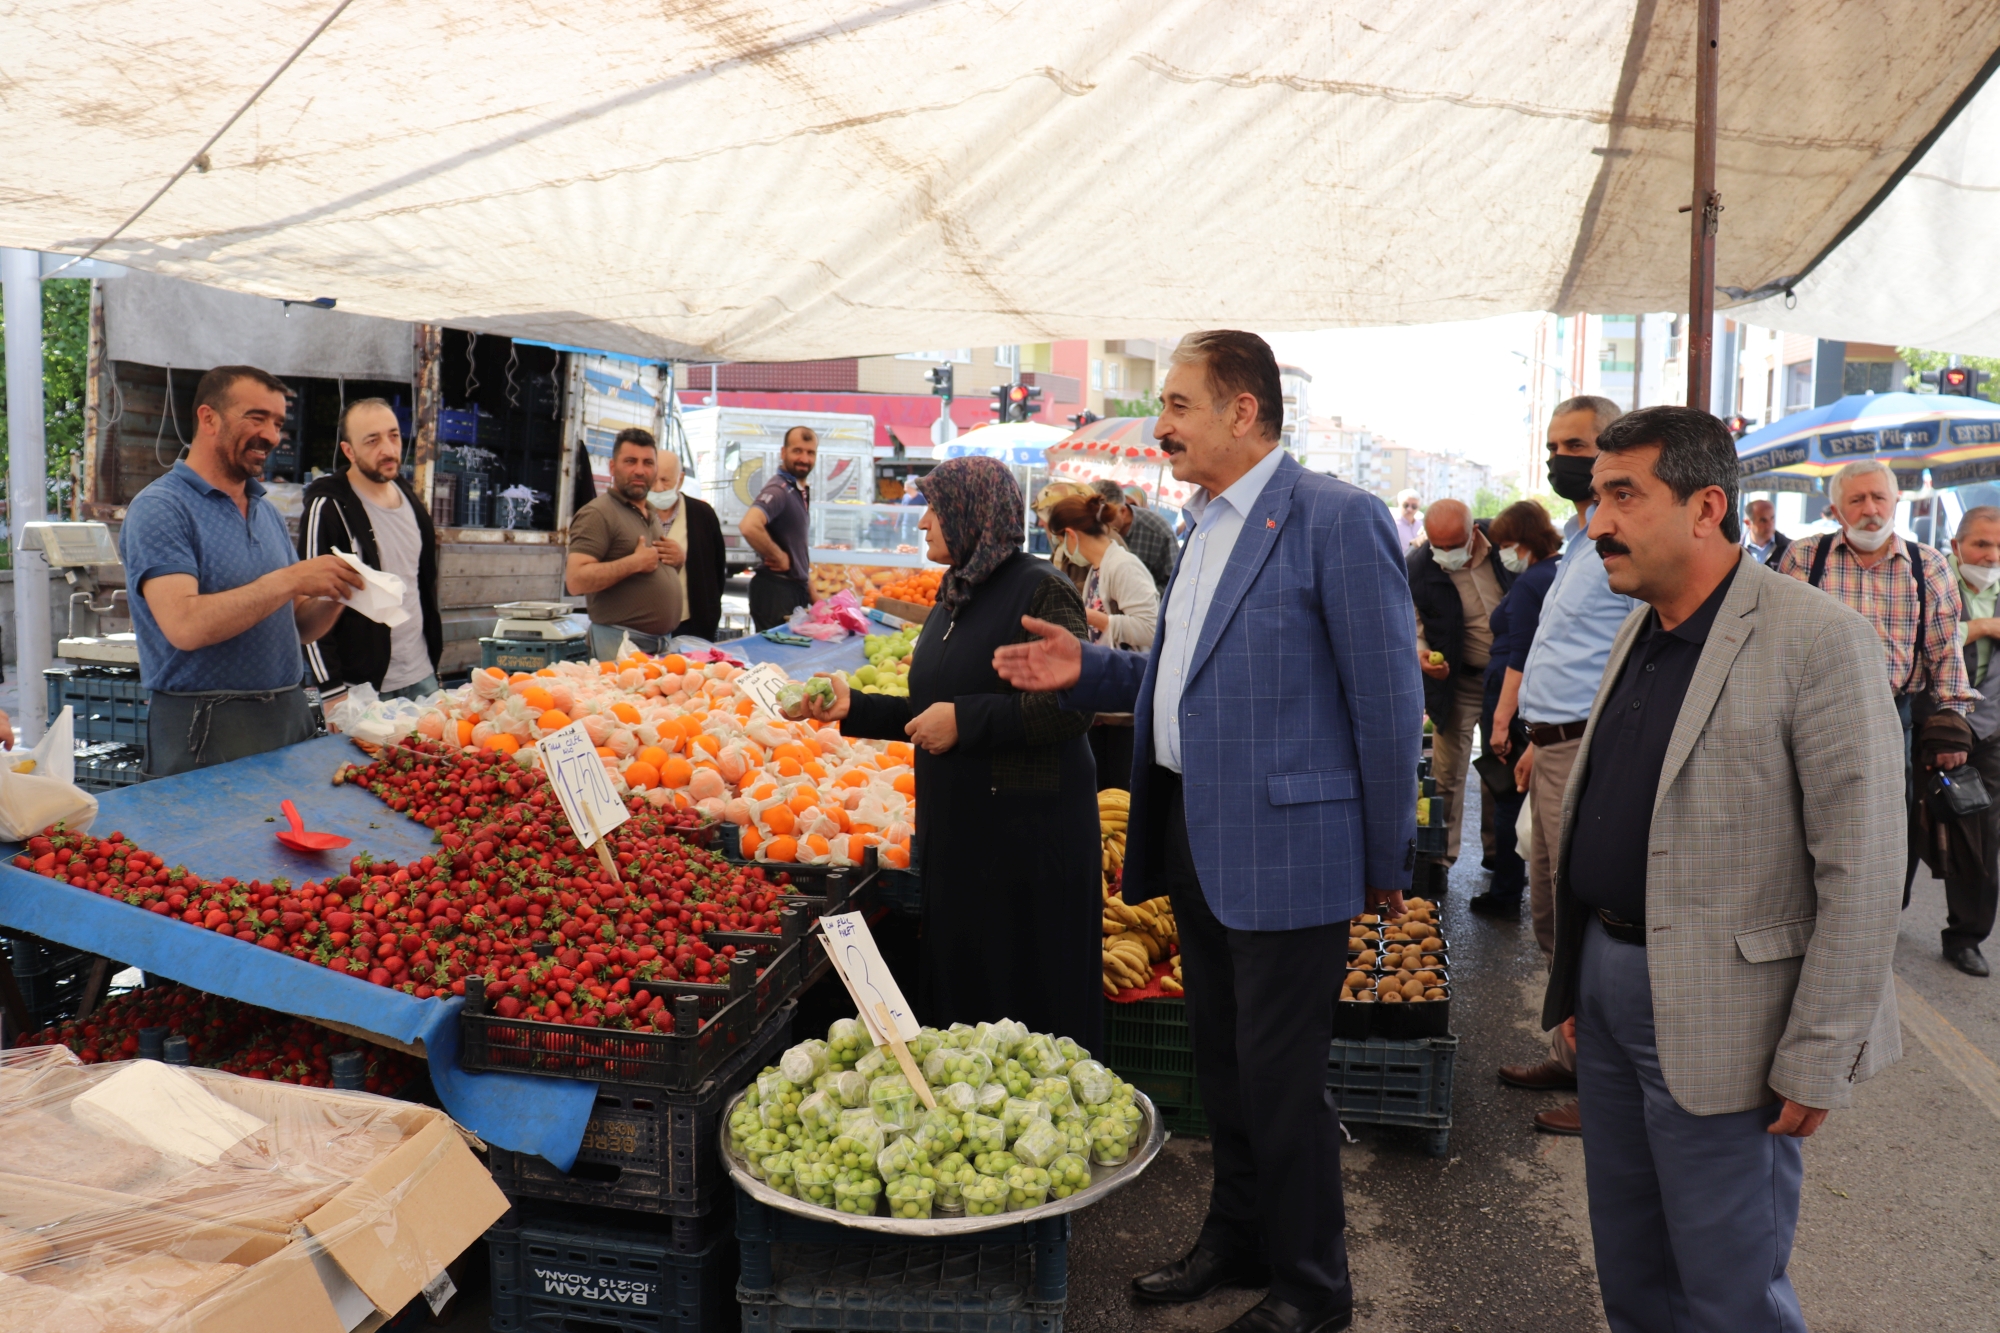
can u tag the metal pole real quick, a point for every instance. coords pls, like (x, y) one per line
(1638, 358)
(27, 485)
(1705, 209)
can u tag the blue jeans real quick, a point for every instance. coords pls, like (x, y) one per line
(1693, 1215)
(420, 690)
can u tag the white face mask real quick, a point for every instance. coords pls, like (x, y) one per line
(1452, 560)
(664, 499)
(1980, 577)
(1514, 559)
(1865, 540)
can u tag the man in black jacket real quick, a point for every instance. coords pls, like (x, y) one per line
(1761, 537)
(697, 551)
(1455, 581)
(366, 508)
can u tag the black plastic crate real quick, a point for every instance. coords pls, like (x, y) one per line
(713, 1023)
(646, 1150)
(558, 1273)
(803, 1273)
(1383, 1082)
(109, 702)
(901, 891)
(106, 767)
(50, 976)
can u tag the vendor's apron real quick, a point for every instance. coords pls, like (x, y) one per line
(196, 730)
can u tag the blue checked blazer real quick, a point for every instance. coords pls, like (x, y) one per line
(1301, 717)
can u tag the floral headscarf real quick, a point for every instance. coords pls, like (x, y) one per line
(979, 507)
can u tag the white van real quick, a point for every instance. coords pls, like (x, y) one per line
(736, 451)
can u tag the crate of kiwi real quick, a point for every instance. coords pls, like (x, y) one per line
(1398, 982)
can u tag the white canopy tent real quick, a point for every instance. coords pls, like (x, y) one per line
(785, 179)
(1919, 269)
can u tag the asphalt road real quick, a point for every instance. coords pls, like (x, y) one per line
(1900, 1225)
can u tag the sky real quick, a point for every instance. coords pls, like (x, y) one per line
(1452, 388)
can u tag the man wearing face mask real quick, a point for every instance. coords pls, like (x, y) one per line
(693, 548)
(1580, 618)
(1908, 594)
(618, 556)
(1455, 582)
(1972, 895)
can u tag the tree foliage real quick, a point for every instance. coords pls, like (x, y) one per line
(65, 367)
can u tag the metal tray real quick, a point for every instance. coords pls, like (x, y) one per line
(1104, 1180)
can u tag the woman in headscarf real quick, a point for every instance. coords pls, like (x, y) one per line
(1007, 835)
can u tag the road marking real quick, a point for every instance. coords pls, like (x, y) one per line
(1974, 1067)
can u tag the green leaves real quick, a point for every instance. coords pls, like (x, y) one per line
(65, 368)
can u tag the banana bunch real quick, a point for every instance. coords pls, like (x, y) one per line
(1173, 985)
(1113, 811)
(1135, 939)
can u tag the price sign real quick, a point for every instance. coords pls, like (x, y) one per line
(576, 771)
(851, 949)
(761, 683)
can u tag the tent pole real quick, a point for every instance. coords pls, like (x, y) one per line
(1706, 206)
(27, 485)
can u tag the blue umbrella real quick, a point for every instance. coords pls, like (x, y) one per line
(1957, 438)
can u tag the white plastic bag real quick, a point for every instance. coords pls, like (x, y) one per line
(1524, 830)
(38, 787)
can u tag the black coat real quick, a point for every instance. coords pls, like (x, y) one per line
(356, 649)
(1007, 834)
(707, 570)
(1779, 541)
(1441, 611)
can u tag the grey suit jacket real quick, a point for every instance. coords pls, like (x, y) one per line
(1774, 870)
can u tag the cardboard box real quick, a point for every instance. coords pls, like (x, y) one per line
(329, 1220)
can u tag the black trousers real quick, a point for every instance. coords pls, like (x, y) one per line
(1260, 1012)
(772, 597)
(1111, 747)
(1971, 901)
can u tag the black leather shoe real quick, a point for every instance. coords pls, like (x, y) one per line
(1496, 904)
(1967, 959)
(1272, 1315)
(1200, 1272)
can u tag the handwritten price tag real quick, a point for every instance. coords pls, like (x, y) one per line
(576, 771)
(761, 683)
(851, 949)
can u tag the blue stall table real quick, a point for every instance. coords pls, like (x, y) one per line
(214, 822)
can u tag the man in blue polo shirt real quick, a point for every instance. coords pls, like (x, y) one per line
(223, 601)
(776, 527)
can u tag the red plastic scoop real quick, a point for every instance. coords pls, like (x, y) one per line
(299, 840)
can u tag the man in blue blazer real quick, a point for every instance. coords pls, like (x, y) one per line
(1276, 734)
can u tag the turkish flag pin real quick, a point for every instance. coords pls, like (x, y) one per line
(1270, 522)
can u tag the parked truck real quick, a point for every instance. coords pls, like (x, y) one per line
(736, 449)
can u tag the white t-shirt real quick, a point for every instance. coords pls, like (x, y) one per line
(399, 545)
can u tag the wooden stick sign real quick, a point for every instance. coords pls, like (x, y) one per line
(850, 947)
(584, 790)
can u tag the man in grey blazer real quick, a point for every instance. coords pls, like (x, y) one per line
(1726, 899)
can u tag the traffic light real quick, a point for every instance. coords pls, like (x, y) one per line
(1959, 381)
(1082, 419)
(999, 406)
(1737, 425)
(1017, 403)
(940, 381)
(1029, 403)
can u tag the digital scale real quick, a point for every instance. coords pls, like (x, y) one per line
(79, 550)
(548, 621)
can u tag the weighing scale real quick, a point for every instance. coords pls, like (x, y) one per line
(547, 621)
(80, 550)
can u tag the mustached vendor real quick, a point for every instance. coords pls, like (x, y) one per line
(224, 602)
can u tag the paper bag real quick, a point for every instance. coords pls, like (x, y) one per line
(38, 786)
(380, 597)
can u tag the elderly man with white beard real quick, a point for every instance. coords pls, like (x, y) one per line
(1908, 593)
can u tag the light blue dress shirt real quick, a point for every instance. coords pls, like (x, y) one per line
(1580, 618)
(1218, 523)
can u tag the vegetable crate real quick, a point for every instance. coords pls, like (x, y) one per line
(531, 654)
(561, 1272)
(1434, 832)
(1146, 1043)
(106, 767)
(802, 1273)
(110, 702)
(648, 1151)
(902, 891)
(1380, 1082)
(713, 1023)
(50, 976)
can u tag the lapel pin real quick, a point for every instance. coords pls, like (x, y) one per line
(1270, 522)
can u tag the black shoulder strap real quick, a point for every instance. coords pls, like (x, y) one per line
(1916, 554)
(1819, 559)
